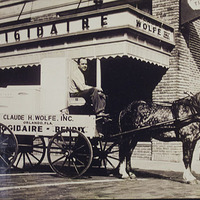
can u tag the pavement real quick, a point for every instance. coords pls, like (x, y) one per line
(163, 166)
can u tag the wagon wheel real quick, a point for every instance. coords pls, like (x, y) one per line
(69, 153)
(30, 154)
(108, 154)
(8, 148)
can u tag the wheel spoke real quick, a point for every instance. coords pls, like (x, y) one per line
(75, 167)
(7, 153)
(11, 158)
(24, 162)
(29, 158)
(64, 162)
(58, 145)
(82, 154)
(37, 151)
(4, 160)
(70, 140)
(34, 157)
(110, 163)
(105, 146)
(4, 141)
(110, 147)
(80, 161)
(62, 139)
(113, 158)
(55, 161)
(38, 145)
(81, 147)
(20, 155)
(112, 152)
(104, 163)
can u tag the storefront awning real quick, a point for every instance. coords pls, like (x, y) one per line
(19, 65)
(146, 53)
(101, 50)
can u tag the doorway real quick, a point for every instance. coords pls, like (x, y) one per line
(126, 79)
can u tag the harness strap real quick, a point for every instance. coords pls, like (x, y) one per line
(193, 117)
(174, 110)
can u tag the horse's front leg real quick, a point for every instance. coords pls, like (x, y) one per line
(188, 149)
(129, 170)
(123, 151)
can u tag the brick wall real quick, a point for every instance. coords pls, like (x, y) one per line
(167, 151)
(157, 150)
(183, 73)
(143, 151)
(194, 46)
(167, 90)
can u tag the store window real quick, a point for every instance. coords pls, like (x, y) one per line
(29, 75)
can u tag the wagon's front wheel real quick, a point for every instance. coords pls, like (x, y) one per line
(108, 154)
(8, 148)
(69, 153)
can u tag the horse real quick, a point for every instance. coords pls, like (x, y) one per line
(177, 121)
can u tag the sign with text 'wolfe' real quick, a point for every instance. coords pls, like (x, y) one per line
(48, 125)
(189, 10)
(67, 27)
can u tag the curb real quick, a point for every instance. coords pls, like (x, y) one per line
(163, 165)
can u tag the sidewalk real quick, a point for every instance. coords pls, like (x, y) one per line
(164, 166)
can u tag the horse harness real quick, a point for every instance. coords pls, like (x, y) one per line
(192, 105)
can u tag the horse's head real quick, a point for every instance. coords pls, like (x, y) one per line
(195, 101)
(190, 102)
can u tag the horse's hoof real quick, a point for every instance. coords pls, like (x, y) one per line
(193, 182)
(132, 176)
(125, 176)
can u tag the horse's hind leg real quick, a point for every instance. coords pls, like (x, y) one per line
(188, 149)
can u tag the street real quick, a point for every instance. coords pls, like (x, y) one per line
(95, 184)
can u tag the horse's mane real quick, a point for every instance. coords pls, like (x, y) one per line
(191, 101)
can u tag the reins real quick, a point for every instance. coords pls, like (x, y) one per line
(192, 104)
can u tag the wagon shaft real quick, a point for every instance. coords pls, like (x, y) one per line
(166, 126)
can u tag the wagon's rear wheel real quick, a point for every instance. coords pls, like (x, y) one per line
(31, 152)
(108, 154)
(69, 153)
(8, 148)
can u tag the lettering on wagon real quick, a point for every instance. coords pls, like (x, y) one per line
(30, 117)
(45, 117)
(24, 128)
(62, 128)
(13, 117)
